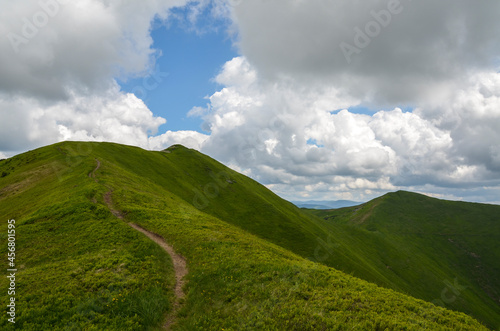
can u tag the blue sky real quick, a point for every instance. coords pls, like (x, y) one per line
(190, 57)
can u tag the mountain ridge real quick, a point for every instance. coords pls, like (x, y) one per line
(244, 248)
(463, 234)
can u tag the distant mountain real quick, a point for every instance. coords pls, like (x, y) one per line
(325, 204)
(254, 260)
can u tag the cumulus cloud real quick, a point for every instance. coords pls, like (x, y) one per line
(113, 116)
(189, 139)
(287, 135)
(58, 65)
(53, 45)
(404, 50)
(473, 117)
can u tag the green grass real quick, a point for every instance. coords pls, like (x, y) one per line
(422, 245)
(252, 257)
(79, 267)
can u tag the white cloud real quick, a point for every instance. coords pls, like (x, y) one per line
(79, 46)
(289, 136)
(423, 151)
(237, 72)
(473, 117)
(198, 112)
(58, 66)
(268, 128)
(422, 49)
(112, 116)
(189, 139)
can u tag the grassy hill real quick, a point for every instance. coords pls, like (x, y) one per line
(441, 251)
(248, 251)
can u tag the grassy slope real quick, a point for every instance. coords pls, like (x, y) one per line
(79, 267)
(425, 244)
(385, 259)
(239, 200)
(68, 242)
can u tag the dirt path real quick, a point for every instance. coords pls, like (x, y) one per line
(92, 174)
(180, 268)
(109, 203)
(179, 262)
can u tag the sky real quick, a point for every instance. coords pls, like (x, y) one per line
(316, 99)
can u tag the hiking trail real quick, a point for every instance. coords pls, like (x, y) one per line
(92, 174)
(179, 262)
